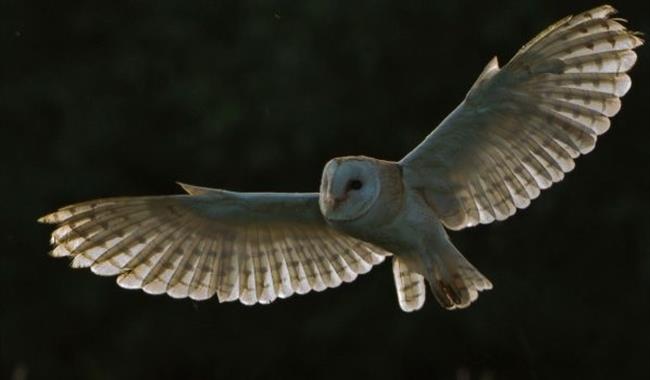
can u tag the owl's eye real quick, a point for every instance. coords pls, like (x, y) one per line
(355, 184)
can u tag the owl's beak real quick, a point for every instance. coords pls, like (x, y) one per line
(333, 203)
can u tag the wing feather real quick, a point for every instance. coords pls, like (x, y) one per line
(521, 127)
(254, 247)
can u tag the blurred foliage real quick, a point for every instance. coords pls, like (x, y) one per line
(124, 97)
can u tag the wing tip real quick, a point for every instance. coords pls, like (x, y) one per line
(192, 189)
(51, 218)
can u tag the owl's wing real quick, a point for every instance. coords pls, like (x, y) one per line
(248, 246)
(520, 127)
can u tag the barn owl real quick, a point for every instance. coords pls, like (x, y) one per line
(518, 131)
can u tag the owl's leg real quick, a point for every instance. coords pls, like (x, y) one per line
(453, 280)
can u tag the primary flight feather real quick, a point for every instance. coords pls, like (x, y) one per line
(518, 131)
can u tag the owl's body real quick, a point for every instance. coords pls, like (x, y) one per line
(401, 222)
(518, 131)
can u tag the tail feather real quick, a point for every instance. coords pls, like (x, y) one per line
(411, 291)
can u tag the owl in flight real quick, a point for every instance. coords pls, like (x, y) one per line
(518, 130)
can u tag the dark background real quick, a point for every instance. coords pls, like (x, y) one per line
(124, 97)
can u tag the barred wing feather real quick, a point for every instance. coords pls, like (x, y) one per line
(254, 247)
(521, 127)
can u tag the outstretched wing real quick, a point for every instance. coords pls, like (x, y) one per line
(520, 128)
(248, 246)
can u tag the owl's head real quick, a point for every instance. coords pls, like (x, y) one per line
(349, 188)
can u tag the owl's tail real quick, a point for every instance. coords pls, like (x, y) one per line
(411, 291)
(453, 280)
